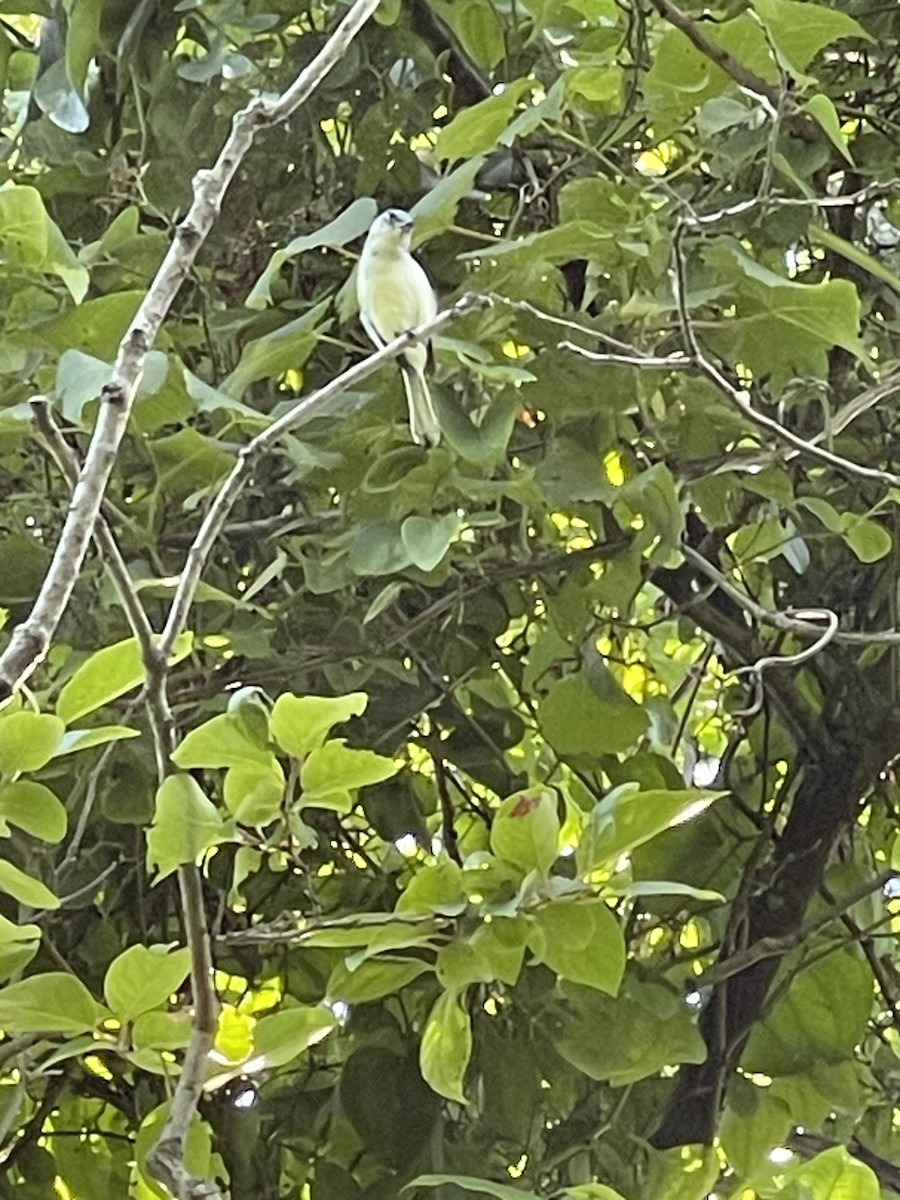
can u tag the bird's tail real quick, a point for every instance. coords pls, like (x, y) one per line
(423, 422)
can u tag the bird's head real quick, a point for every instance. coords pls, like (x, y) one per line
(392, 227)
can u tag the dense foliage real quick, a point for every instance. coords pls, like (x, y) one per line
(541, 784)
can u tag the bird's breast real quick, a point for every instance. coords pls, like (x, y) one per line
(396, 295)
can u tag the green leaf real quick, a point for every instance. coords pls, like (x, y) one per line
(825, 512)
(333, 772)
(34, 808)
(680, 77)
(800, 30)
(61, 260)
(285, 348)
(525, 831)
(577, 717)
(479, 28)
(818, 1019)
(645, 1028)
(654, 495)
(436, 887)
(821, 235)
(346, 226)
(188, 460)
(254, 793)
(500, 1191)
(446, 1047)
(144, 977)
(18, 946)
(33, 239)
(25, 888)
(753, 1122)
(397, 936)
(684, 1172)
(581, 941)
(628, 817)
(460, 963)
(24, 225)
(250, 711)
(868, 540)
(427, 539)
(109, 673)
(373, 979)
(476, 129)
(437, 208)
(822, 110)
(832, 1175)
(74, 740)
(759, 541)
(663, 887)
(377, 549)
(95, 327)
(82, 40)
(220, 742)
(389, 1105)
(186, 824)
(300, 724)
(162, 1030)
(283, 1036)
(51, 1003)
(501, 945)
(781, 327)
(592, 1191)
(28, 741)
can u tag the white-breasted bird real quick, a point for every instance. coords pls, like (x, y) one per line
(394, 296)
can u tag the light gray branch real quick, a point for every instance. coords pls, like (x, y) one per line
(166, 1160)
(781, 620)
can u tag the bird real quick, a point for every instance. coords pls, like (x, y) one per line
(394, 296)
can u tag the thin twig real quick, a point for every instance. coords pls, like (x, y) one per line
(449, 836)
(738, 397)
(166, 1160)
(784, 620)
(756, 669)
(773, 947)
(97, 773)
(290, 930)
(67, 461)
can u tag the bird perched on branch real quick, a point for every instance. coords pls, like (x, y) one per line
(395, 296)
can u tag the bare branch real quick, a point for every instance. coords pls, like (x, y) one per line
(787, 622)
(30, 640)
(871, 192)
(288, 930)
(774, 947)
(166, 1160)
(665, 362)
(717, 54)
